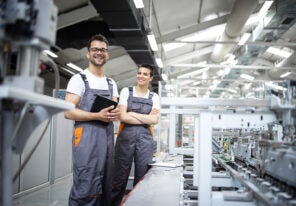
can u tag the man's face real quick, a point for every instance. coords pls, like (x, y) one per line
(98, 53)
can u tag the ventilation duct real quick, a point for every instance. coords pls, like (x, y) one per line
(278, 27)
(240, 13)
(126, 24)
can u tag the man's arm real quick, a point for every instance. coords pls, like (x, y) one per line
(80, 115)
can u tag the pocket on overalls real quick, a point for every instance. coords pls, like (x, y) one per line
(77, 136)
(90, 182)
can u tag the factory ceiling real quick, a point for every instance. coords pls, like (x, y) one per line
(198, 42)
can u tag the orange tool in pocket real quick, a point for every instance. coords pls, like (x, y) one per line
(120, 128)
(77, 135)
(151, 130)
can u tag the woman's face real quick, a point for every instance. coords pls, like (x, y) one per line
(144, 76)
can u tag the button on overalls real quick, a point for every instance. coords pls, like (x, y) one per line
(134, 142)
(92, 149)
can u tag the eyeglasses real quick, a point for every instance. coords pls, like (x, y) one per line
(97, 50)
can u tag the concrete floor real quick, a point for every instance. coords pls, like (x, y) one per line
(54, 195)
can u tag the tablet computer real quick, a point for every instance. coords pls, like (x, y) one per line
(101, 102)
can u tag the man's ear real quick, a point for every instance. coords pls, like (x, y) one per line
(107, 56)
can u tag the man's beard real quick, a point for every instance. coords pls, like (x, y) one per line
(93, 61)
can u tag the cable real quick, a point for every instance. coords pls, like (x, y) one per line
(31, 152)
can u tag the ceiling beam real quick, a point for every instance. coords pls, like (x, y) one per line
(251, 67)
(190, 55)
(183, 32)
(256, 43)
(76, 16)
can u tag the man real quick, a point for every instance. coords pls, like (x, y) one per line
(93, 139)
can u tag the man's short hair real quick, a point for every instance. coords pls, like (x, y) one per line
(97, 37)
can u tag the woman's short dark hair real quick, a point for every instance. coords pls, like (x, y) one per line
(148, 66)
(97, 37)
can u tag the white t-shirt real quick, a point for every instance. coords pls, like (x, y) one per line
(76, 83)
(124, 94)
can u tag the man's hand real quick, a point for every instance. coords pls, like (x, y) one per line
(108, 114)
(113, 114)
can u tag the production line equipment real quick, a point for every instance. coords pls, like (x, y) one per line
(244, 150)
(26, 29)
(247, 157)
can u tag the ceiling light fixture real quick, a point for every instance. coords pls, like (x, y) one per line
(193, 73)
(152, 42)
(277, 87)
(50, 53)
(279, 52)
(139, 4)
(247, 77)
(159, 62)
(232, 91)
(285, 74)
(264, 9)
(196, 83)
(164, 77)
(73, 66)
(244, 39)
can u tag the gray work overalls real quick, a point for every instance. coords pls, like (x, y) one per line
(134, 142)
(93, 152)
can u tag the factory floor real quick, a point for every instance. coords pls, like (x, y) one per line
(54, 195)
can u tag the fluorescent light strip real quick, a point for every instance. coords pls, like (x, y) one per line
(50, 53)
(159, 62)
(73, 66)
(264, 9)
(199, 64)
(244, 39)
(285, 74)
(232, 90)
(139, 4)
(193, 73)
(250, 94)
(164, 77)
(247, 77)
(152, 42)
(196, 83)
(279, 52)
(277, 87)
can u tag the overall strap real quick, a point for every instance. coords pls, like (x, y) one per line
(84, 80)
(150, 95)
(110, 85)
(130, 89)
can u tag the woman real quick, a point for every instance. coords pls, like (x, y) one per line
(139, 109)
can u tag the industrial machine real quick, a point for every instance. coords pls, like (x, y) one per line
(244, 149)
(26, 29)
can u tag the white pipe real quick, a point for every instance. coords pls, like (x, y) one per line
(240, 13)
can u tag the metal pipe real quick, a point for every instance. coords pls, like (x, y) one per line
(237, 19)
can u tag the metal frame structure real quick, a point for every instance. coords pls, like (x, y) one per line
(210, 114)
(203, 146)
